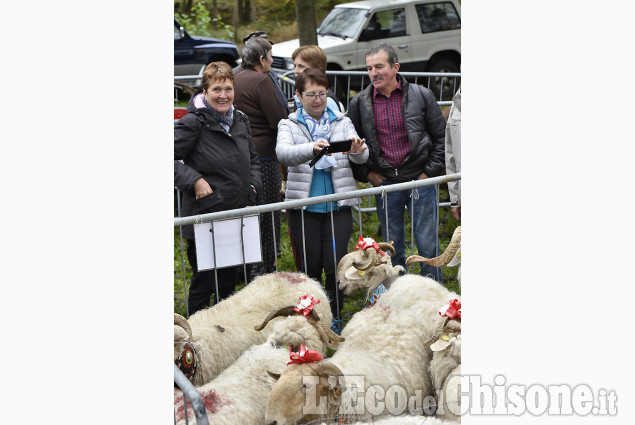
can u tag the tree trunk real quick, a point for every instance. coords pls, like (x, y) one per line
(186, 7)
(244, 11)
(235, 21)
(214, 9)
(247, 12)
(305, 16)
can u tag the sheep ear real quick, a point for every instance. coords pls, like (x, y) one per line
(439, 345)
(275, 376)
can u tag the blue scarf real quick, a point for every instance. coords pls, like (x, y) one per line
(320, 129)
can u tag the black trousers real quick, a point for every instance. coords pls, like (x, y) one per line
(271, 183)
(319, 246)
(203, 283)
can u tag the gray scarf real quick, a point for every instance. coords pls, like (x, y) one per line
(225, 119)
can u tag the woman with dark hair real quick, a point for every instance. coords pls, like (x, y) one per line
(217, 168)
(300, 138)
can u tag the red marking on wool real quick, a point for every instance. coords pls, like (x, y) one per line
(291, 277)
(211, 401)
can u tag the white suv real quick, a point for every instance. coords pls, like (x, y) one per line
(426, 35)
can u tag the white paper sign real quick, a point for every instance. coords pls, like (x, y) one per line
(227, 241)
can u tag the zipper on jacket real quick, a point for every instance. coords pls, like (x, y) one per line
(396, 172)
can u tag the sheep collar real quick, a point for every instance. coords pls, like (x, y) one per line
(364, 243)
(187, 361)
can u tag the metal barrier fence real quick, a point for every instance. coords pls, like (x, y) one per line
(280, 206)
(196, 401)
(347, 83)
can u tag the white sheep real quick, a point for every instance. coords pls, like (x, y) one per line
(367, 267)
(445, 367)
(212, 339)
(239, 394)
(385, 344)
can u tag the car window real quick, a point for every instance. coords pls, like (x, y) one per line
(386, 24)
(177, 33)
(438, 17)
(342, 22)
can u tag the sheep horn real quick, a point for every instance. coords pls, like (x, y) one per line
(446, 257)
(182, 322)
(284, 311)
(387, 246)
(332, 335)
(323, 332)
(188, 89)
(437, 333)
(371, 255)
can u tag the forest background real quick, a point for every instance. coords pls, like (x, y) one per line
(218, 18)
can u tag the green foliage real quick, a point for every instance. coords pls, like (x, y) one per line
(197, 21)
(223, 30)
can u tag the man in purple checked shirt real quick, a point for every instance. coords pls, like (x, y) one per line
(405, 134)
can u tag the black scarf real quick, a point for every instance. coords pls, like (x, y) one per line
(225, 119)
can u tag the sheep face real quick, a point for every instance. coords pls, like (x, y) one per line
(367, 269)
(304, 392)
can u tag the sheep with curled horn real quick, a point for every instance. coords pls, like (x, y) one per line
(238, 395)
(450, 257)
(328, 337)
(211, 339)
(445, 367)
(367, 267)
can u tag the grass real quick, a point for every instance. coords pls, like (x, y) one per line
(370, 224)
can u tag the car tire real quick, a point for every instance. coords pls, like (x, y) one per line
(449, 86)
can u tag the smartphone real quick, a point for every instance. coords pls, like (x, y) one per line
(339, 146)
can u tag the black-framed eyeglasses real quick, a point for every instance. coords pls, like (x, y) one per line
(321, 94)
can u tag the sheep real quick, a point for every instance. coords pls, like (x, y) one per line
(367, 267)
(445, 367)
(423, 298)
(213, 338)
(377, 349)
(238, 394)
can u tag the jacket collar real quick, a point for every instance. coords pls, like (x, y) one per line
(370, 89)
(333, 115)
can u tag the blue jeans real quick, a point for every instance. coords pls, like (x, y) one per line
(425, 225)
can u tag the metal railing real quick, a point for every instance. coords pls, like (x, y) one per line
(190, 393)
(281, 206)
(349, 83)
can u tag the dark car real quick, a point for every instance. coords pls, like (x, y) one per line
(192, 53)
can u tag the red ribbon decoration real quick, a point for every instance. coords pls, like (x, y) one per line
(453, 310)
(306, 307)
(303, 356)
(362, 243)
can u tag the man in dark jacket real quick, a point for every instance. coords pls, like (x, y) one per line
(405, 133)
(256, 96)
